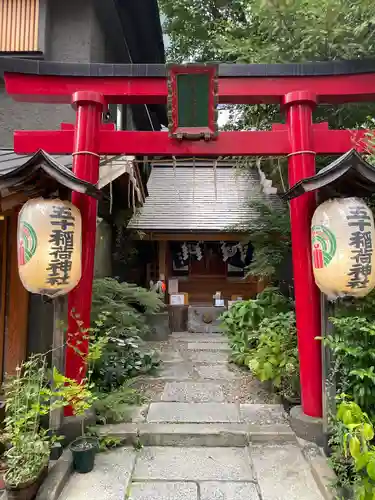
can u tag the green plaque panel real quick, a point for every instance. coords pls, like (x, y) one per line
(193, 100)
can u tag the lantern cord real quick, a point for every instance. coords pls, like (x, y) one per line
(307, 152)
(110, 198)
(281, 174)
(215, 176)
(193, 179)
(85, 153)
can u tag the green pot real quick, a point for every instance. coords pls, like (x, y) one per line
(84, 450)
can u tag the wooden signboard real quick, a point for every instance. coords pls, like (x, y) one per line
(192, 101)
(179, 299)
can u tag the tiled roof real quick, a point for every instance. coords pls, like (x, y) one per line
(111, 167)
(186, 199)
(9, 160)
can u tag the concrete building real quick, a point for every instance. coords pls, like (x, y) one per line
(65, 31)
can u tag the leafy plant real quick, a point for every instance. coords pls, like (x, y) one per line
(120, 314)
(116, 405)
(357, 432)
(240, 323)
(126, 304)
(105, 442)
(27, 458)
(242, 320)
(124, 357)
(270, 237)
(352, 343)
(276, 356)
(28, 397)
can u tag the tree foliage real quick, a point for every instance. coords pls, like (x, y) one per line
(273, 31)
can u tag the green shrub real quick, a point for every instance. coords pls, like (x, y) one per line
(116, 405)
(353, 458)
(276, 356)
(242, 320)
(352, 343)
(240, 323)
(127, 305)
(119, 312)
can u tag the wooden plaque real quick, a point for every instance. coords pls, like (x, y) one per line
(192, 101)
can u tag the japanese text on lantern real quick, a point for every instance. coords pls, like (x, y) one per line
(361, 247)
(62, 244)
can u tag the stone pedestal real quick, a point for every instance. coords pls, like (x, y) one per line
(159, 324)
(178, 318)
(305, 427)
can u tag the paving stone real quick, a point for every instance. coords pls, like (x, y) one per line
(208, 357)
(213, 338)
(109, 479)
(178, 371)
(170, 356)
(215, 372)
(193, 412)
(283, 473)
(193, 464)
(176, 335)
(206, 346)
(192, 392)
(163, 491)
(228, 491)
(262, 414)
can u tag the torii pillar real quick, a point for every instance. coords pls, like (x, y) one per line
(86, 158)
(301, 164)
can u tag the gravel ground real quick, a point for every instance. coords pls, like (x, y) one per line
(244, 389)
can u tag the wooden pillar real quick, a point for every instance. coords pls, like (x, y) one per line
(3, 289)
(162, 260)
(17, 307)
(163, 265)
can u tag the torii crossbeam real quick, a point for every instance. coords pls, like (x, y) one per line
(298, 88)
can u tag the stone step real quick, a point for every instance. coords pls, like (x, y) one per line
(194, 337)
(214, 412)
(208, 346)
(201, 435)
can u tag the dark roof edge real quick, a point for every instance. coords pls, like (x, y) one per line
(187, 232)
(326, 68)
(51, 167)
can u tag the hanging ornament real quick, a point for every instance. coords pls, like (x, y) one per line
(49, 246)
(343, 241)
(198, 251)
(185, 251)
(228, 250)
(243, 251)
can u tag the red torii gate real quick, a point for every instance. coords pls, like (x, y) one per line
(297, 87)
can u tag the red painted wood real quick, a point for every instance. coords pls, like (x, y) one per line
(103, 126)
(86, 166)
(271, 143)
(211, 130)
(307, 297)
(252, 90)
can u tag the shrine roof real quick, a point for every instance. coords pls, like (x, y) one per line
(184, 199)
(42, 173)
(348, 175)
(157, 70)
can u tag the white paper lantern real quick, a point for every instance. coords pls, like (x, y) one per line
(343, 242)
(49, 246)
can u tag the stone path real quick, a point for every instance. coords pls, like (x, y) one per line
(209, 432)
